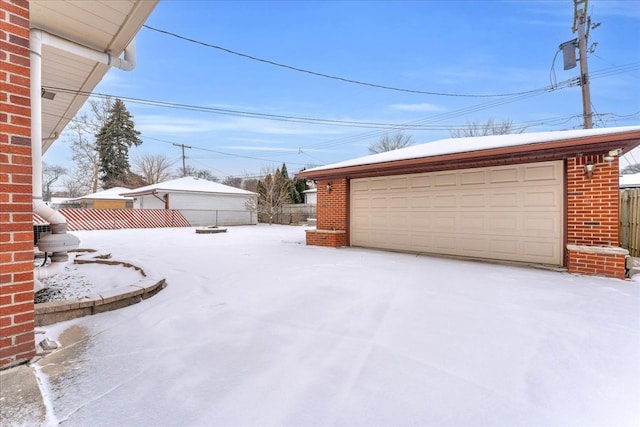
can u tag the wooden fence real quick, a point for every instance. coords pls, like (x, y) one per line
(630, 220)
(292, 214)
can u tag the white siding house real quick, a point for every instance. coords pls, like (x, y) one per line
(630, 181)
(310, 196)
(201, 202)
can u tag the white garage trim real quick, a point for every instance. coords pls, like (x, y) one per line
(512, 213)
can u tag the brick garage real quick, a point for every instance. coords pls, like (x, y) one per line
(585, 234)
(16, 226)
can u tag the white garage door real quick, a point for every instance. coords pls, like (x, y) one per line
(510, 213)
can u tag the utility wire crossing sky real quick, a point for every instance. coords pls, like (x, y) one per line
(252, 85)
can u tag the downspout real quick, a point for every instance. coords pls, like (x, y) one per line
(58, 242)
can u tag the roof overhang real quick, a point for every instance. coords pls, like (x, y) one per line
(103, 25)
(536, 152)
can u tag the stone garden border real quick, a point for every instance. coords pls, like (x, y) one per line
(58, 311)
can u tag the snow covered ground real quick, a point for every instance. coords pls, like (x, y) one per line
(256, 328)
(86, 281)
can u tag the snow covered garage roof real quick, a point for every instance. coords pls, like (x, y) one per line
(187, 185)
(457, 153)
(630, 181)
(114, 193)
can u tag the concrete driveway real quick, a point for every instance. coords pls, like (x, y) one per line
(255, 328)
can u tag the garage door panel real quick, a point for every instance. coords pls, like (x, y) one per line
(472, 223)
(473, 200)
(420, 181)
(473, 178)
(538, 172)
(541, 198)
(420, 201)
(445, 179)
(505, 212)
(509, 225)
(503, 175)
(546, 225)
(540, 249)
(505, 199)
(471, 245)
(445, 201)
(400, 183)
(508, 248)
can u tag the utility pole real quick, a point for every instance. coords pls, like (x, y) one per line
(580, 21)
(184, 165)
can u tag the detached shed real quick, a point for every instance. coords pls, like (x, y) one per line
(200, 201)
(106, 199)
(543, 198)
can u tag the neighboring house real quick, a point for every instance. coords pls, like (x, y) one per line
(630, 181)
(54, 53)
(62, 202)
(106, 199)
(544, 198)
(310, 196)
(201, 202)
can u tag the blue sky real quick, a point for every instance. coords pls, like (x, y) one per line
(452, 47)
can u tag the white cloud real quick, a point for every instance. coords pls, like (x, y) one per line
(155, 124)
(421, 107)
(260, 148)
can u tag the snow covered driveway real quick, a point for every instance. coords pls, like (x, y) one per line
(255, 328)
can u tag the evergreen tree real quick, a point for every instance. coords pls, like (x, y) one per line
(285, 181)
(113, 141)
(297, 190)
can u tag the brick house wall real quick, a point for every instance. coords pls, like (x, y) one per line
(16, 218)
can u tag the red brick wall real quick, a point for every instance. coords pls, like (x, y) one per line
(592, 216)
(16, 225)
(333, 239)
(332, 211)
(332, 205)
(592, 204)
(610, 265)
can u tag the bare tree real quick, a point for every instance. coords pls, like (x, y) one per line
(273, 194)
(631, 169)
(390, 142)
(50, 174)
(233, 181)
(250, 184)
(81, 135)
(153, 168)
(490, 127)
(196, 173)
(73, 188)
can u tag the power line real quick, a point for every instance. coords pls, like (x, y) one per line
(194, 147)
(329, 76)
(285, 118)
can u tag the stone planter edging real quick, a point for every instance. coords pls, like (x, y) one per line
(58, 311)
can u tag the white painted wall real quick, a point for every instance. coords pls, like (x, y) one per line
(311, 197)
(205, 208)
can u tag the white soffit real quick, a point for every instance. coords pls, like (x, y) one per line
(104, 25)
